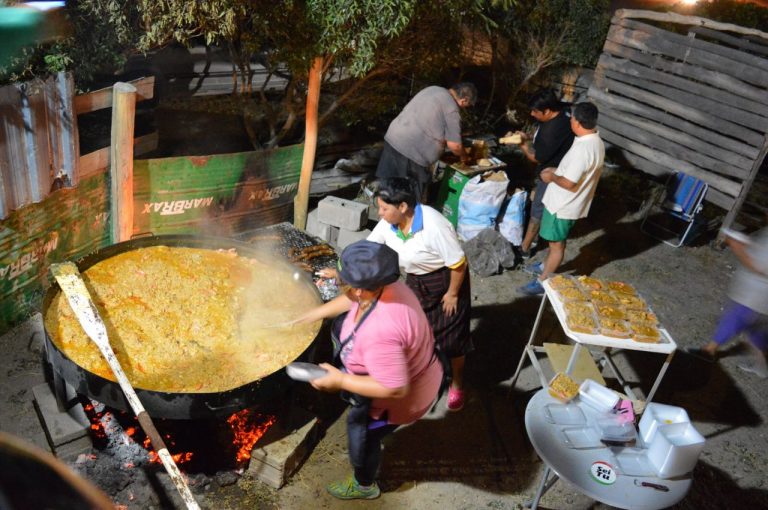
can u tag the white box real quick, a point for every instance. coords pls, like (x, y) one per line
(598, 396)
(342, 213)
(659, 414)
(675, 449)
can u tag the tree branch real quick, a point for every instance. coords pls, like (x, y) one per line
(351, 90)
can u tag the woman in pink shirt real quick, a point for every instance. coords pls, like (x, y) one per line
(390, 373)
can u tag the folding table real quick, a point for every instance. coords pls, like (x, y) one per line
(665, 346)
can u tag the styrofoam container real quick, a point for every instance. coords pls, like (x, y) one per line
(656, 415)
(612, 429)
(559, 414)
(675, 449)
(582, 438)
(598, 396)
(634, 462)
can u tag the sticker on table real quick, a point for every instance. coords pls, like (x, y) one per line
(603, 473)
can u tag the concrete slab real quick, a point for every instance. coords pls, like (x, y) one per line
(347, 237)
(66, 431)
(317, 228)
(283, 450)
(345, 214)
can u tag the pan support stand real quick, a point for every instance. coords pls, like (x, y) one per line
(66, 396)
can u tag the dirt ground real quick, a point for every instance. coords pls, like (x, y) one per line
(480, 457)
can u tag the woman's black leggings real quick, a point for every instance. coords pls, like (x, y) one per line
(365, 435)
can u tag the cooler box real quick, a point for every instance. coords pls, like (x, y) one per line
(447, 201)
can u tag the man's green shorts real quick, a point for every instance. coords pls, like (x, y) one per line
(553, 228)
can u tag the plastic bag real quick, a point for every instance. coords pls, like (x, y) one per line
(479, 204)
(487, 252)
(513, 221)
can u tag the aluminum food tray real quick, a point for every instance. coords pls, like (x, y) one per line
(665, 345)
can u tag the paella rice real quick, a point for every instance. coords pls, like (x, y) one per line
(188, 319)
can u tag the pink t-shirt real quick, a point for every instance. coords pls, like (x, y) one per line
(394, 345)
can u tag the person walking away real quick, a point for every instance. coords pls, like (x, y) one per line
(747, 310)
(417, 137)
(390, 374)
(546, 148)
(571, 190)
(436, 268)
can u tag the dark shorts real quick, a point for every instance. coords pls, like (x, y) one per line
(537, 208)
(451, 333)
(554, 228)
(394, 164)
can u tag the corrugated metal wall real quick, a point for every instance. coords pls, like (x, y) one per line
(38, 140)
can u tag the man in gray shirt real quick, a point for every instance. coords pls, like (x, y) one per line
(417, 137)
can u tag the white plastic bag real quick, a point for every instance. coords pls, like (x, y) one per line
(479, 205)
(513, 221)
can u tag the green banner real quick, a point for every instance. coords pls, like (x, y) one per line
(68, 224)
(223, 195)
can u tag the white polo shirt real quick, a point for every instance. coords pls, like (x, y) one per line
(582, 164)
(430, 245)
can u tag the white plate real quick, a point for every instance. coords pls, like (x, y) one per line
(634, 462)
(582, 438)
(560, 414)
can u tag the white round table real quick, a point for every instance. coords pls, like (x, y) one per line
(595, 471)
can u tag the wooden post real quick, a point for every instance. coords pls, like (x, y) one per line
(730, 218)
(121, 161)
(301, 202)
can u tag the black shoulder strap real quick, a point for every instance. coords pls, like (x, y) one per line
(357, 326)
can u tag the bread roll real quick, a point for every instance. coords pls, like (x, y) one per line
(484, 162)
(514, 139)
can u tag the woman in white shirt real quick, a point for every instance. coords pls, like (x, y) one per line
(436, 268)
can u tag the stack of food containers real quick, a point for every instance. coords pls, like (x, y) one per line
(673, 444)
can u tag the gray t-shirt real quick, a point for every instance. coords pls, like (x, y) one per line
(429, 120)
(747, 287)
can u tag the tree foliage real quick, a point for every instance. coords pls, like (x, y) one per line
(379, 52)
(545, 34)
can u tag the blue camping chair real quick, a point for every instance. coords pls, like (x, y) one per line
(679, 205)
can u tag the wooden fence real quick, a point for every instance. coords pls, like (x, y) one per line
(694, 102)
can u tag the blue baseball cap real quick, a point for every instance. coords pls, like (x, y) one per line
(368, 265)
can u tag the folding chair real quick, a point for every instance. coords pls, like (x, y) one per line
(679, 205)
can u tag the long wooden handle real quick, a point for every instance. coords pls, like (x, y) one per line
(167, 460)
(149, 427)
(73, 287)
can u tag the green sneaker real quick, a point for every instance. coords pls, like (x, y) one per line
(350, 489)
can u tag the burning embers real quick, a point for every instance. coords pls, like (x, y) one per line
(247, 428)
(205, 446)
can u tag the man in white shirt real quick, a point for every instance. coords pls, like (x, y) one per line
(574, 184)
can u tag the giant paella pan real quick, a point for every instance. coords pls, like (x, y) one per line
(196, 323)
